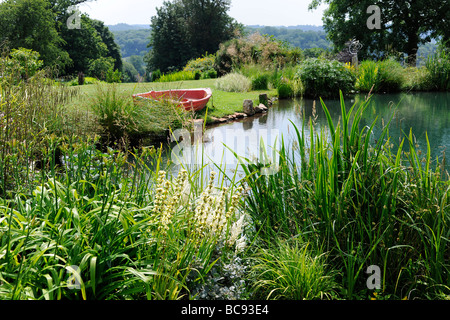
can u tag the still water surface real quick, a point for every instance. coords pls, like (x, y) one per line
(425, 113)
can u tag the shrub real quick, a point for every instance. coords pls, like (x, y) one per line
(19, 64)
(325, 78)
(368, 76)
(203, 67)
(252, 49)
(99, 67)
(260, 82)
(439, 69)
(417, 79)
(285, 91)
(177, 76)
(210, 74)
(290, 88)
(391, 75)
(234, 82)
(381, 76)
(113, 76)
(155, 75)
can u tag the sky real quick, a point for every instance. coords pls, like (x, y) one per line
(247, 12)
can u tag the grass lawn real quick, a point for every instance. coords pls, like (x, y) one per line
(221, 104)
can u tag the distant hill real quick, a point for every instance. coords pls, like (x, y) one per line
(132, 42)
(306, 27)
(127, 27)
(134, 38)
(303, 37)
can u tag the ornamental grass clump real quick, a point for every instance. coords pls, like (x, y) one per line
(290, 270)
(234, 82)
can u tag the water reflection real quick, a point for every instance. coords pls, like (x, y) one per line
(425, 113)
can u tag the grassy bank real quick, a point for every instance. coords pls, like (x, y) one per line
(221, 104)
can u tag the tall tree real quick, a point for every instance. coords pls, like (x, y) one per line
(108, 39)
(83, 45)
(404, 25)
(31, 24)
(186, 29)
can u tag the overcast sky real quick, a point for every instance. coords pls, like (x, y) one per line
(248, 12)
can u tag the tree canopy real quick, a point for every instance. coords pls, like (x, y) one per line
(404, 25)
(31, 24)
(186, 29)
(41, 25)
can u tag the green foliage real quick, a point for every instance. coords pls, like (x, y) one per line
(381, 76)
(234, 82)
(402, 25)
(368, 76)
(138, 63)
(417, 79)
(101, 231)
(83, 45)
(21, 64)
(391, 75)
(126, 121)
(177, 76)
(30, 111)
(113, 50)
(31, 24)
(156, 75)
(290, 88)
(183, 30)
(113, 76)
(132, 42)
(290, 271)
(260, 82)
(363, 201)
(325, 78)
(438, 67)
(203, 66)
(100, 67)
(130, 73)
(253, 49)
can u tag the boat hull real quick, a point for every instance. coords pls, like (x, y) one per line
(189, 99)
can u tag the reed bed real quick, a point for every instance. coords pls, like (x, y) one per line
(362, 201)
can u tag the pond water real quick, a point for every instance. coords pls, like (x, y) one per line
(425, 113)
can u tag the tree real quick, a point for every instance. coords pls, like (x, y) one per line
(30, 24)
(404, 24)
(108, 39)
(83, 45)
(186, 29)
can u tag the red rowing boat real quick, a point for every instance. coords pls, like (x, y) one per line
(189, 99)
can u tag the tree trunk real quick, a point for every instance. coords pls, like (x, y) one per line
(411, 49)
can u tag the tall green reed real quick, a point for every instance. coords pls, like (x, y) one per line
(360, 199)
